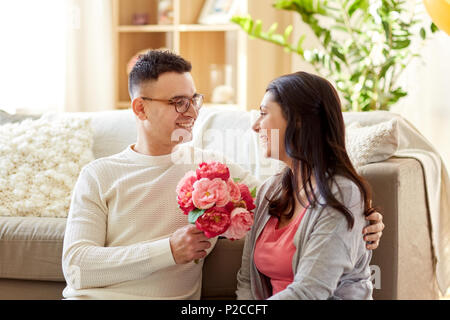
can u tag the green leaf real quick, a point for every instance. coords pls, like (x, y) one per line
(194, 215)
(387, 31)
(236, 180)
(396, 95)
(338, 66)
(253, 193)
(257, 29)
(433, 27)
(236, 19)
(355, 76)
(355, 6)
(272, 29)
(423, 34)
(300, 43)
(248, 25)
(389, 63)
(287, 33)
(399, 92)
(327, 39)
(337, 53)
(401, 44)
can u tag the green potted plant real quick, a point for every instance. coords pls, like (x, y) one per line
(365, 45)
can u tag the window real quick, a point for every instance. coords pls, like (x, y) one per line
(33, 55)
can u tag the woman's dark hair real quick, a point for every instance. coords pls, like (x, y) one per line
(315, 141)
(154, 63)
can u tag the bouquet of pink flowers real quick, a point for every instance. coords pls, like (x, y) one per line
(217, 204)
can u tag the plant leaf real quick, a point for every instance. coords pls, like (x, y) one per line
(337, 53)
(253, 193)
(423, 34)
(287, 33)
(433, 27)
(338, 66)
(327, 39)
(355, 6)
(272, 29)
(389, 63)
(248, 25)
(257, 29)
(299, 44)
(194, 215)
(401, 44)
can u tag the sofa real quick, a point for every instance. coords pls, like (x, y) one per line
(402, 266)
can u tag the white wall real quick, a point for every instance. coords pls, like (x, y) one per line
(427, 106)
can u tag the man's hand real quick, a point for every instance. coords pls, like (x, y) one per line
(188, 243)
(373, 233)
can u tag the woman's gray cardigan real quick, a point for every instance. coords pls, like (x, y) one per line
(330, 262)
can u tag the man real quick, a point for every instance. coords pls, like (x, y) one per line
(125, 236)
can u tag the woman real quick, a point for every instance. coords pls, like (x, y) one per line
(306, 241)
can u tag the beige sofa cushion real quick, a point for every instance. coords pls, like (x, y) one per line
(374, 143)
(31, 248)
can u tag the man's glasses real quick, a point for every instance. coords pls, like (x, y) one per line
(182, 104)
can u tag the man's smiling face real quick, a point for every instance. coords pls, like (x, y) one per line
(162, 123)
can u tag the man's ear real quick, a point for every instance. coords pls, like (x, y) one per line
(138, 108)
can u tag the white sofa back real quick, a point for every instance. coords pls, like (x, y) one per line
(228, 131)
(223, 129)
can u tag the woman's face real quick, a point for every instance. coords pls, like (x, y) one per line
(271, 128)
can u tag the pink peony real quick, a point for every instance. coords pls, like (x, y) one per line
(241, 222)
(230, 206)
(187, 181)
(233, 190)
(210, 192)
(212, 170)
(213, 222)
(184, 191)
(247, 197)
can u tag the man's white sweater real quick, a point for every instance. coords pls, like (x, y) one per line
(122, 214)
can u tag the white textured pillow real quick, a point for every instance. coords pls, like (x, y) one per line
(40, 161)
(371, 143)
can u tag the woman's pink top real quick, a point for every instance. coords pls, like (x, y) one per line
(274, 251)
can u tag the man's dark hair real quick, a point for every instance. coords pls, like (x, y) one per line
(152, 64)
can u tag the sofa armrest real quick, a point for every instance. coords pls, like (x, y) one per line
(404, 257)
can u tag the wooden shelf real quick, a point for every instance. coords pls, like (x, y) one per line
(210, 48)
(146, 28)
(253, 63)
(179, 28)
(211, 28)
(123, 105)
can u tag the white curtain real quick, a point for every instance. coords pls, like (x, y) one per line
(90, 64)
